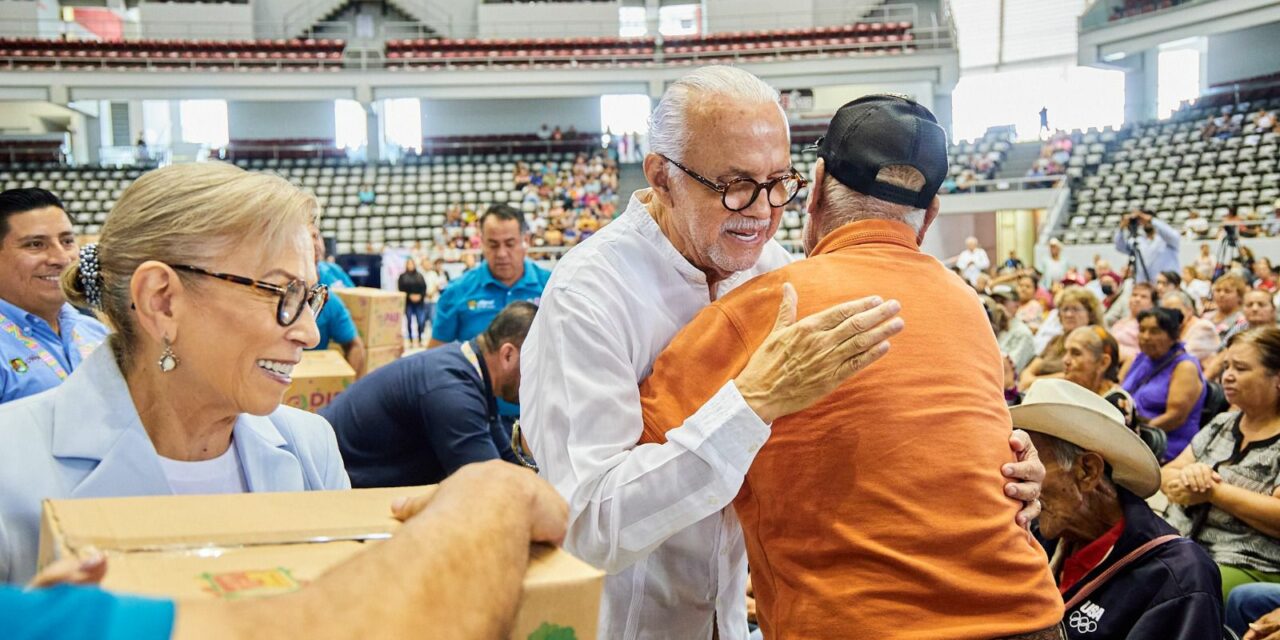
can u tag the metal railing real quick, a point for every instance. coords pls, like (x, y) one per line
(447, 25)
(430, 147)
(57, 30)
(928, 39)
(56, 63)
(1103, 13)
(1003, 185)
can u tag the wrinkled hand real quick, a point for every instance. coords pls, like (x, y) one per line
(548, 512)
(85, 570)
(801, 362)
(1027, 474)
(1265, 628)
(1179, 493)
(1199, 477)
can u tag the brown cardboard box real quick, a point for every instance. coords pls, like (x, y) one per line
(318, 379)
(378, 314)
(263, 544)
(381, 356)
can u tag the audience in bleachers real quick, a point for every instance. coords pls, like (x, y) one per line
(1074, 307)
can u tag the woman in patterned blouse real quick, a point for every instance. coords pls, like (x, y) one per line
(1224, 487)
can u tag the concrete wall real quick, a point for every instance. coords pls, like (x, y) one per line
(194, 21)
(945, 238)
(270, 16)
(265, 120)
(463, 117)
(25, 118)
(540, 20)
(18, 18)
(1243, 54)
(739, 15)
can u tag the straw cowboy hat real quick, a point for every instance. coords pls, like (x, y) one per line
(1070, 412)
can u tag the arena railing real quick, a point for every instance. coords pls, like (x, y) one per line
(66, 31)
(445, 25)
(1001, 185)
(926, 39)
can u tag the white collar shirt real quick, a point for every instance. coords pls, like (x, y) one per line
(657, 517)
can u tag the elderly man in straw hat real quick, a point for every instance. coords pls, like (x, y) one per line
(1123, 571)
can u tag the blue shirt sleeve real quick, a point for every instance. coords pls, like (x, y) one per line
(447, 324)
(69, 612)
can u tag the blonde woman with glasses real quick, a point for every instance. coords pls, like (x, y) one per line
(206, 276)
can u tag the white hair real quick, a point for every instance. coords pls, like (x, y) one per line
(844, 205)
(668, 124)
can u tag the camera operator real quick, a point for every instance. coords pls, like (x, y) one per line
(1150, 243)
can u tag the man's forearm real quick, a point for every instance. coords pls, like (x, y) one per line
(455, 571)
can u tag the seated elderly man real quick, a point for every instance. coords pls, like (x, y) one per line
(878, 511)
(1123, 571)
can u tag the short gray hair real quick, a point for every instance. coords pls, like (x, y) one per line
(1065, 453)
(843, 205)
(668, 124)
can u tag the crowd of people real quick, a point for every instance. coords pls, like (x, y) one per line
(695, 400)
(1189, 357)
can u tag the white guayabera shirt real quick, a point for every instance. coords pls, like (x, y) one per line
(656, 517)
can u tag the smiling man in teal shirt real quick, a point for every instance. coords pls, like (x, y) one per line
(471, 302)
(42, 338)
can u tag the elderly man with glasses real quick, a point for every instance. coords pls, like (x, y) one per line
(656, 516)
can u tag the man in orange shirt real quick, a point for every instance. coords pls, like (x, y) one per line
(878, 512)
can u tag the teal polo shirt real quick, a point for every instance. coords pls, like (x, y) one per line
(23, 367)
(470, 303)
(335, 323)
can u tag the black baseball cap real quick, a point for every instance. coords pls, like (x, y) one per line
(881, 130)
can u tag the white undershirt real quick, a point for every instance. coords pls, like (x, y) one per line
(219, 475)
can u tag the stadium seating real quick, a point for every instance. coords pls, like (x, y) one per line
(281, 148)
(1176, 166)
(28, 151)
(23, 54)
(878, 38)
(88, 193)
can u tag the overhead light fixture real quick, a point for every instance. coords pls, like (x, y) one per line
(1112, 57)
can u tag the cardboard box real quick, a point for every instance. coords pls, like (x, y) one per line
(381, 356)
(378, 314)
(318, 379)
(264, 544)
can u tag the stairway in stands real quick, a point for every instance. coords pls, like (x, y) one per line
(1019, 160)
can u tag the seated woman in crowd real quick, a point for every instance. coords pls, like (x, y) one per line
(1164, 380)
(1014, 338)
(1092, 360)
(1264, 276)
(1125, 330)
(1259, 312)
(207, 276)
(1197, 334)
(1031, 313)
(1225, 487)
(1228, 295)
(1076, 307)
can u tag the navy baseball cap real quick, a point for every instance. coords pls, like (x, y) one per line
(881, 130)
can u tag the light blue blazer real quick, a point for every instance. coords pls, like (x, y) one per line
(84, 439)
